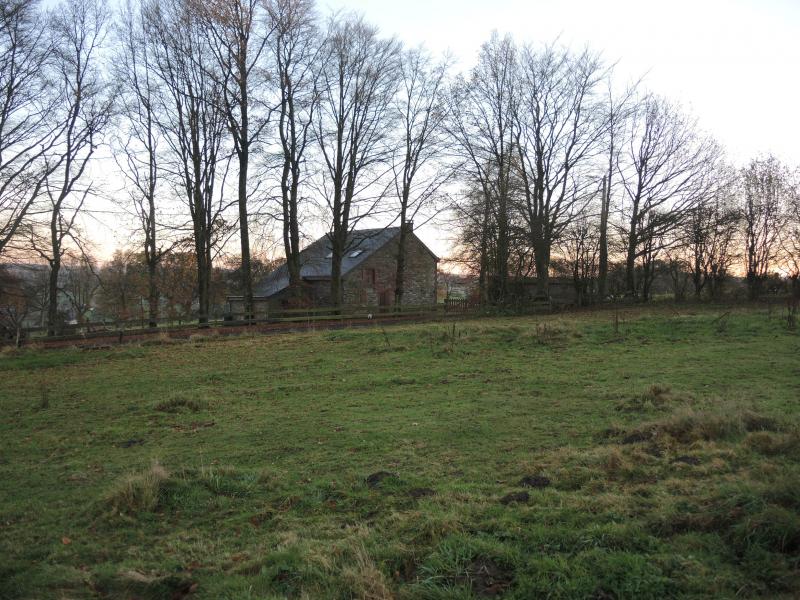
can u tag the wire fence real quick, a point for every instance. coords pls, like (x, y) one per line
(306, 318)
(122, 328)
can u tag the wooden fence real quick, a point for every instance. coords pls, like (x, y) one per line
(302, 316)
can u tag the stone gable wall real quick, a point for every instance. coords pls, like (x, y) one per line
(420, 276)
(420, 281)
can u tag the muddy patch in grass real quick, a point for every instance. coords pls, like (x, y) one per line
(420, 492)
(134, 584)
(376, 479)
(131, 443)
(515, 498)
(487, 578)
(687, 460)
(534, 481)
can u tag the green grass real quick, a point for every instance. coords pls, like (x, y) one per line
(237, 468)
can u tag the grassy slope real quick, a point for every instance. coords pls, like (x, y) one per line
(265, 453)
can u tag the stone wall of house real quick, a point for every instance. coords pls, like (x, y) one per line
(372, 283)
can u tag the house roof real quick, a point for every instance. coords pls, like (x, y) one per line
(315, 260)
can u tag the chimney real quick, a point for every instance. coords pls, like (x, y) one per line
(409, 226)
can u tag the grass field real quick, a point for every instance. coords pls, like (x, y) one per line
(556, 457)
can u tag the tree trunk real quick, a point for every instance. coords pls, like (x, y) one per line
(55, 267)
(52, 291)
(152, 295)
(698, 280)
(753, 286)
(336, 275)
(483, 284)
(503, 250)
(602, 276)
(202, 293)
(630, 272)
(630, 262)
(244, 159)
(541, 259)
(152, 260)
(291, 228)
(247, 279)
(399, 282)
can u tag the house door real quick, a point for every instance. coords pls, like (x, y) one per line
(386, 298)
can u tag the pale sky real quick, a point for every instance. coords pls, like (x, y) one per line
(735, 64)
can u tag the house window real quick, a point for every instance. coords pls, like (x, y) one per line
(368, 276)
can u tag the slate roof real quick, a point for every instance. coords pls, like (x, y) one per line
(315, 262)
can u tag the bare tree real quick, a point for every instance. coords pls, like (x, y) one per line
(472, 219)
(562, 125)
(417, 163)
(80, 286)
(655, 241)
(178, 279)
(482, 123)
(579, 245)
(295, 48)
(85, 105)
(352, 128)
(238, 35)
(766, 193)
(28, 129)
(618, 111)
(123, 283)
(665, 172)
(791, 243)
(140, 139)
(679, 269)
(193, 127)
(710, 231)
(15, 305)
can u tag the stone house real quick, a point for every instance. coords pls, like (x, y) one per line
(368, 274)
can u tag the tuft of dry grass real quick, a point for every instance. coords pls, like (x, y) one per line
(656, 397)
(201, 338)
(177, 402)
(161, 339)
(773, 444)
(9, 351)
(365, 578)
(138, 492)
(689, 425)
